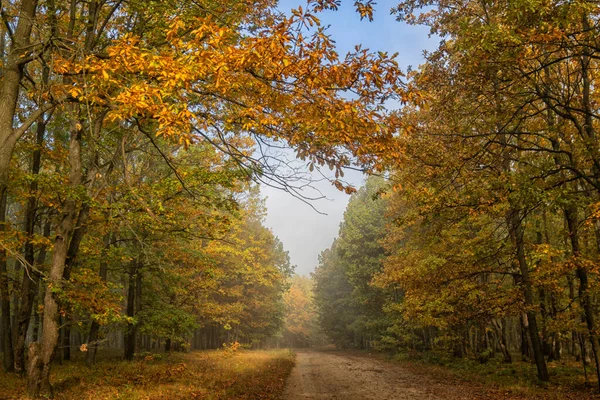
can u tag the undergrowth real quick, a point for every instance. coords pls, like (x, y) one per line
(517, 379)
(197, 375)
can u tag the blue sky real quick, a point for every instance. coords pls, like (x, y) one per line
(303, 231)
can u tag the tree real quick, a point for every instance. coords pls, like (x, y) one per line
(233, 77)
(354, 309)
(300, 324)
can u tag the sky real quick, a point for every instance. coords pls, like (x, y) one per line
(305, 232)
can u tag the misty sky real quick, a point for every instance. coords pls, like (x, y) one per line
(303, 231)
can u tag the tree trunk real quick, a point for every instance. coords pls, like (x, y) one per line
(500, 328)
(41, 259)
(34, 371)
(137, 304)
(54, 282)
(592, 142)
(7, 341)
(556, 347)
(14, 302)
(29, 292)
(546, 345)
(90, 358)
(12, 71)
(130, 330)
(516, 232)
(78, 233)
(584, 295)
(31, 276)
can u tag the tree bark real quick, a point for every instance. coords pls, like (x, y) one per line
(90, 358)
(555, 344)
(76, 238)
(501, 332)
(31, 276)
(7, 341)
(34, 371)
(584, 295)
(64, 231)
(12, 70)
(10, 87)
(40, 260)
(138, 303)
(131, 329)
(516, 232)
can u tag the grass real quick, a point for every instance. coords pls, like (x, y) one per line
(515, 380)
(197, 375)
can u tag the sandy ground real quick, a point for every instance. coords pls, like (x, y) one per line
(346, 376)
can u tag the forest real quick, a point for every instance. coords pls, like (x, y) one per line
(135, 137)
(482, 239)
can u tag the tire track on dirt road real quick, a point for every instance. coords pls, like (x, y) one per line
(332, 375)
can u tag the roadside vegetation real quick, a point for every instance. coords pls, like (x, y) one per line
(135, 135)
(220, 374)
(497, 379)
(389, 284)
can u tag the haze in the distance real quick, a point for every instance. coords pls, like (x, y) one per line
(304, 231)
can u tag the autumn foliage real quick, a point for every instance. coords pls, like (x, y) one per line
(488, 238)
(131, 138)
(133, 135)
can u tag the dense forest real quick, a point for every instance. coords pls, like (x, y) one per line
(134, 137)
(482, 240)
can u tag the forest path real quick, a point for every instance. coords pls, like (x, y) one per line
(348, 376)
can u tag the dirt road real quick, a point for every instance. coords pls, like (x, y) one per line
(343, 376)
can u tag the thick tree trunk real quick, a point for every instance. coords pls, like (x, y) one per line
(64, 231)
(29, 291)
(29, 286)
(12, 71)
(34, 371)
(10, 86)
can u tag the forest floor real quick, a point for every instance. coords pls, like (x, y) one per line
(347, 375)
(211, 375)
